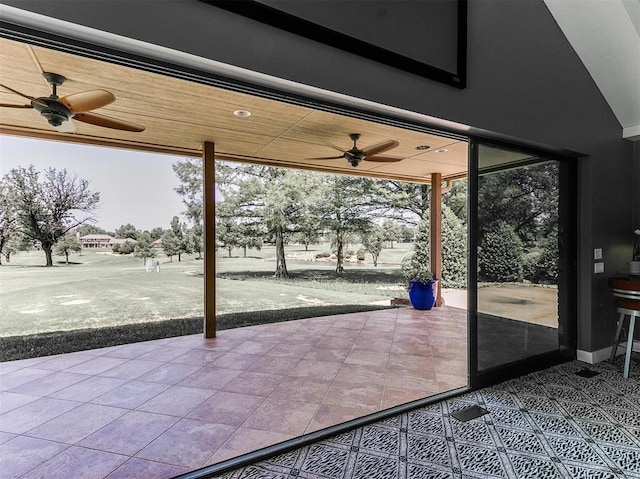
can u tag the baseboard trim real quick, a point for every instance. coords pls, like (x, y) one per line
(593, 357)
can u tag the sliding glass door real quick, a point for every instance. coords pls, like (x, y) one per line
(521, 264)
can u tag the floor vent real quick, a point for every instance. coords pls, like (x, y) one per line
(469, 413)
(587, 373)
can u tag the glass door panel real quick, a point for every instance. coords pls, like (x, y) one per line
(518, 258)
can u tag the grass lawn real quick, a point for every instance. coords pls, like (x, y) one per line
(98, 289)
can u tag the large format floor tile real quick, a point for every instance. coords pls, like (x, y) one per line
(160, 408)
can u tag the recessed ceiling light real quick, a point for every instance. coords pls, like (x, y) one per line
(242, 113)
(441, 150)
(422, 147)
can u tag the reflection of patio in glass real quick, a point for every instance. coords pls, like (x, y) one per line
(167, 406)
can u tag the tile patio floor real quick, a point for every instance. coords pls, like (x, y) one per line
(160, 408)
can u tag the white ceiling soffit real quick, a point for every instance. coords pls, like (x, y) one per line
(606, 36)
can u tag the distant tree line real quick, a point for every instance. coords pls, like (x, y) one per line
(518, 217)
(54, 208)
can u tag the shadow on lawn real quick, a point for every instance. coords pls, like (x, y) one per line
(356, 276)
(59, 342)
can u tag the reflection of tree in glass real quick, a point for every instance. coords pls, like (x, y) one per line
(525, 199)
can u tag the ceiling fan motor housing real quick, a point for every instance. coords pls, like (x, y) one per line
(55, 112)
(354, 156)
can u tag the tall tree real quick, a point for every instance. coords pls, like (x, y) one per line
(282, 206)
(402, 201)
(525, 198)
(456, 199)
(183, 243)
(391, 231)
(8, 221)
(144, 247)
(50, 207)
(170, 244)
(189, 172)
(66, 245)
(17, 242)
(347, 206)
(156, 233)
(127, 231)
(195, 238)
(373, 242)
(272, 200)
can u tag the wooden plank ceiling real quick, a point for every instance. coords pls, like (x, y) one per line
(180, 115)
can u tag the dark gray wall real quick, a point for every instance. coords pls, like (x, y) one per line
(524, 80)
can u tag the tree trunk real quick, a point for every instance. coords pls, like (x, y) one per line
(244, 251)
(47, 254)
(230, 248)
(179, 259)
(339, 253)
(281, 263)
(66, 257)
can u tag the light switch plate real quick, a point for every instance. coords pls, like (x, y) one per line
(597, 253)
(598, 268)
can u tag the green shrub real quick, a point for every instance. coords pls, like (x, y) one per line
(416, 266)
(360, 254)
(323, 254)
(529, 266)
(501, 255)
(454, 250)
(127, 247)
(545, 268)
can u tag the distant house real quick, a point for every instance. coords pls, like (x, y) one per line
(157, 243)
(103, 241)
(97, 241)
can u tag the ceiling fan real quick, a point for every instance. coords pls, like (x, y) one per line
(60, 112)
(354, 156)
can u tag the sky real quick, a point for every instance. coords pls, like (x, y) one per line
(135, 187)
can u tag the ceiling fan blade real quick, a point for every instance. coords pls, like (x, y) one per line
(383, 159)
(66, 127)
(108, 122)
(380, 147)
(334, 147)
(9, 105)
(327, 158)
(87, 100)
(33, 99)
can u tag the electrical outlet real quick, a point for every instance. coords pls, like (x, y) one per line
(598, 268)
(597, 253)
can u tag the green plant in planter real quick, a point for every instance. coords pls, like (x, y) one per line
(416, 266)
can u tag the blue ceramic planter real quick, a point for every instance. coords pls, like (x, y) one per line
(423, 295)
